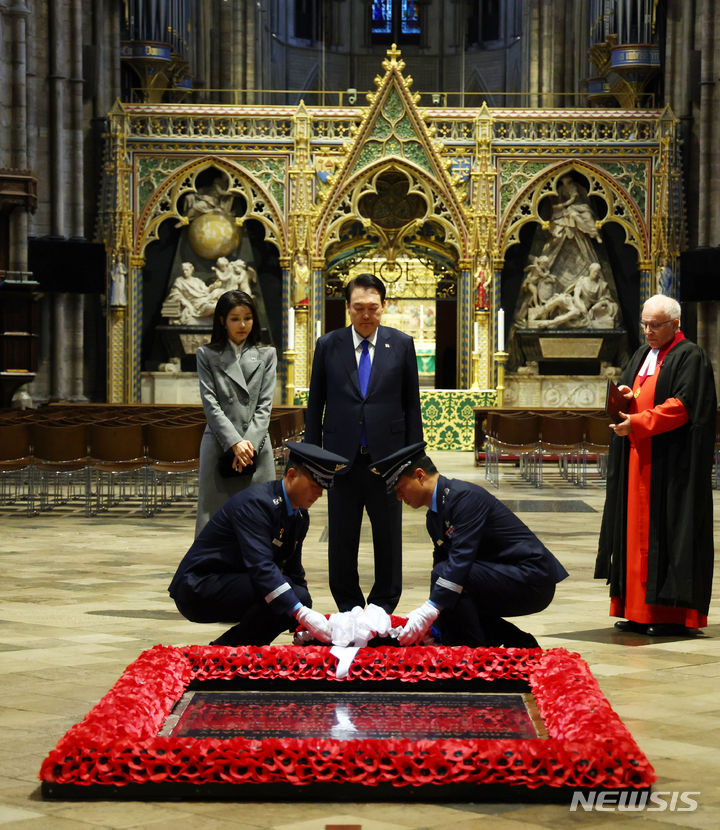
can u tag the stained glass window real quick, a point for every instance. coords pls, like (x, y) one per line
(382, 17)
(395, 20)
(409, 18)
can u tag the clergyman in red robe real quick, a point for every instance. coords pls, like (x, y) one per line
(656, 538)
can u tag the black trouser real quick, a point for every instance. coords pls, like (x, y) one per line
(231, 597)
(491, 592)
(355, 491)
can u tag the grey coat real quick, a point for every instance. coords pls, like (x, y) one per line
(237, 398)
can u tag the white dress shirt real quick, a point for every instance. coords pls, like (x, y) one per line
(358, 339)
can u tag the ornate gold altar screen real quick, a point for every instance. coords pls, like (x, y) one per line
(439, 193)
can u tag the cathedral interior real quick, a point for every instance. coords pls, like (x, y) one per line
(521, 174)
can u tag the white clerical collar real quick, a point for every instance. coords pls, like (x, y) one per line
(358, 338)
(648, 367)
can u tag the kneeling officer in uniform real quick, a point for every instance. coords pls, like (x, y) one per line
(486, 563)
(245, 567)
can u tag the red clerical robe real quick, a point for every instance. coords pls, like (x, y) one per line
(656, 546)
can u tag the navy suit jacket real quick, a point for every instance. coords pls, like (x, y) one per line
(391, 408)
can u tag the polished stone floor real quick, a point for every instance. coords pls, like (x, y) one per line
(80, 598)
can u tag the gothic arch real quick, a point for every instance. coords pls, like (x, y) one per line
(344, 205)
(622, 208)
(164, 202)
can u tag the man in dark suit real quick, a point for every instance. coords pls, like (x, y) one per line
(245, 566)
(487, 564)
(364, 403)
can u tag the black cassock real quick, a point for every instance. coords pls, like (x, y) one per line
(680, 554)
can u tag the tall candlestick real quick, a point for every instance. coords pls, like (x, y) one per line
(291, 328)
(501, 330)
(476, 336)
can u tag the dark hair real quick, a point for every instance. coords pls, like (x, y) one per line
(225, 304)
(365, 281)
(424, 462)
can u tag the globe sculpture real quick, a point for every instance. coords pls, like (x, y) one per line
(212, 235)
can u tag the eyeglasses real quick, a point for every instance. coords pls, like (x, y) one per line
(654, 326)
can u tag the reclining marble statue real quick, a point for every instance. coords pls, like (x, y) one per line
(191, 301)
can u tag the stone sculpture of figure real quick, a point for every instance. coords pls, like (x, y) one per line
(118, 284)
(573, 224)
(216, 198)
(573, 214)
(535, 272)
(663, 279)
(589, 304)
(244, 276)
(483, 278)
(301, 281)
(188, 299)
(230, 276)
(224, 276)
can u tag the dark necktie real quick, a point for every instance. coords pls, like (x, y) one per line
(364, 367)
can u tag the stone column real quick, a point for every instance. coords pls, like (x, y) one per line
(61, 368)
(76, 347)
(708, 335)
(40, 387)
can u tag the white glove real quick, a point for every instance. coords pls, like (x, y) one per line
(378, 619)
(315, 623)
(418, 623)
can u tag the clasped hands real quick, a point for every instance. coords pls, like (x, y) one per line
(244, 452)
(625, 426)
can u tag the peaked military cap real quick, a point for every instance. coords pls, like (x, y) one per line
(392, 466)
(320, 464)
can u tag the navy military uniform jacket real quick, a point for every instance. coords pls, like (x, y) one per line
(252, 533)
(471, 525)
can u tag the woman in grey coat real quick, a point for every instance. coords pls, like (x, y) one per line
(237, 382)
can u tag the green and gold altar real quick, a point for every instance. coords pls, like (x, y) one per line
(516, 245)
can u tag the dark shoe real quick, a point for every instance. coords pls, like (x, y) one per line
(523, 639)
(629, 625)
(511, 636)
(668, 630)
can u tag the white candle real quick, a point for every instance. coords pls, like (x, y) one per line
(501, 330)
(291, 328)
(422, 317)
(476, 336)
(318, 330)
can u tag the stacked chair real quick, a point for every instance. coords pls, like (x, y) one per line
(561, 437)
(59, 472)
(532, 438)
(15, 461)
(286, 424)
(100, 455)
(596, 442)
(117, 463)
(513, 435)
(173, 460)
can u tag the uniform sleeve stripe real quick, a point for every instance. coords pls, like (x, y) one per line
(451, 586)
(276, 593)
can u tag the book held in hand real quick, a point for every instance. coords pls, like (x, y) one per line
(615, 401)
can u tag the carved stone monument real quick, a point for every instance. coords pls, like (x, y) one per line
(567, 313)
